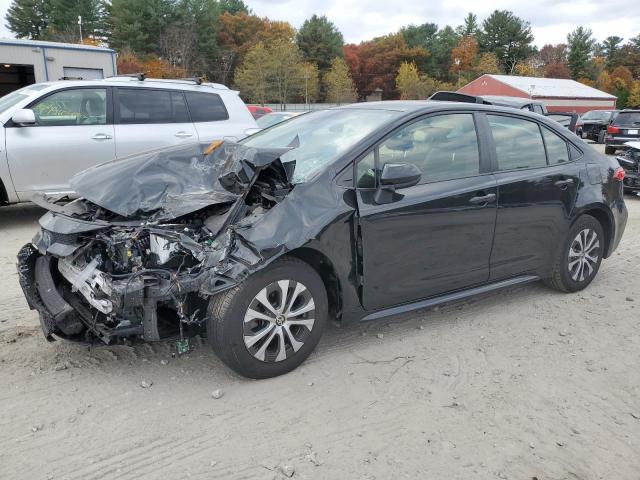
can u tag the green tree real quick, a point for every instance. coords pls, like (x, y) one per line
(419, 35)
(285, 70)
(28, 18)
(137, 25)
(320, 41)
(611, 51)
(408, 82)
(252, 78)
(508, 37)
(232, 7)
(580, 44)
(310, 82)
(63, 24)
(487, 63)
(634, 95)
(340, 87)
(470, 27)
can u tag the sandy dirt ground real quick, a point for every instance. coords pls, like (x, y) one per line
(527, 383)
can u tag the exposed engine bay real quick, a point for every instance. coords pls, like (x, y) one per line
(153, 237)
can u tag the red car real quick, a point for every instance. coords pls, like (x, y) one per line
(258, 110)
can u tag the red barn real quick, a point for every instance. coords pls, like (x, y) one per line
(558, 94)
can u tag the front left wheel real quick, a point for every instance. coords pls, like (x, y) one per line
(271, 322)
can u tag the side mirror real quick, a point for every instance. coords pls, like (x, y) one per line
(24, 117)
(399, 175)
(395, 176)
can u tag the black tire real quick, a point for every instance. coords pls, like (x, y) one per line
(226, 327)
(609, 150)
(601, 135)
(561, 277)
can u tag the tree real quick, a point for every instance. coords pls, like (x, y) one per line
(320, 41)
(252, 78)
(153, 66)
(340, 87)
(63, 23)
(419, 35)
(374, 63)
(408, 82)
(634, 95)
(556, 70)
(285, 69)
(580, 44)
(232, 6)
(311, 78)
(464, 55)
(470, 26)
(28, 18)
(440, 60)
(611, 48)
(508, 37)
(137, 25)
(487, 63)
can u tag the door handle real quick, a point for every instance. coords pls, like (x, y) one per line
(101, 136)
(184, 135)
(563, 184)
(488, 198)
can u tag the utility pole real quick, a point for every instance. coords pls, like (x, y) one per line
(80, 26)
(457, 62)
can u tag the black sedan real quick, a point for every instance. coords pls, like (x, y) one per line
(355, 213)
(593, 124)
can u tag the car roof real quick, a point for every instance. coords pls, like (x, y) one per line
(413, 106)
(124, 81)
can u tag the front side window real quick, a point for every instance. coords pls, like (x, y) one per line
(518, 143)
(82, 106)
(557, 151)
(366, 171)
(206, 107)
(142, 105)
(443, 147)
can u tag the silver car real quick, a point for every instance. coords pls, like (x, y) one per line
(51, 131)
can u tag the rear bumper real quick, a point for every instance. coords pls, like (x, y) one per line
(619, 142)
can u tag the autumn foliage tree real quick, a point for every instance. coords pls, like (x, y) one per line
(339, 85)
(153, 67)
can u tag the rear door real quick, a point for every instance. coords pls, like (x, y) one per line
(73, 131)
(535, 196)
(436, 236)
(148, 119)
(211, 118)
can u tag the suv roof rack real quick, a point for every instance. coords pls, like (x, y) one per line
(446, 96)
(192, 80)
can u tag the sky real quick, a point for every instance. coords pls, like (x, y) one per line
(359, 20)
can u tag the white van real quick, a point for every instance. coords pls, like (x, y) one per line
(51, 131)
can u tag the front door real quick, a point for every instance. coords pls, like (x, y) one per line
(433, 237)
(535, 195)
(73, 132)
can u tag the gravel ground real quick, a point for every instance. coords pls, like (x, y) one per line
(526, 383)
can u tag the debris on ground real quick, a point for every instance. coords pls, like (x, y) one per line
(217, 394)
(146, 383)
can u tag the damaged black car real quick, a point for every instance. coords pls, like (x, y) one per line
(353, 213)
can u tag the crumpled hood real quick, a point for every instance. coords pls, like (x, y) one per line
(168, 183)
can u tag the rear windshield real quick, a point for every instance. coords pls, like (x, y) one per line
(597, 115)
(627, 118)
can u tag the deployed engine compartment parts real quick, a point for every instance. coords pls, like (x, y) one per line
(156, 235)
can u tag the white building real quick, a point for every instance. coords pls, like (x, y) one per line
(23, 62)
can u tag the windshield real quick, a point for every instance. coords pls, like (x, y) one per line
(16, 97)
(597, 115)
(322, 136)
(271, 119)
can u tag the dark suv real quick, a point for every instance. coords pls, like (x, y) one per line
(354, 213)
(624, 128)
(593, 124)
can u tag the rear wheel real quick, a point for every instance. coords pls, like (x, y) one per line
(601, 135)
(609, 150)
(579, 259)
(271, 322)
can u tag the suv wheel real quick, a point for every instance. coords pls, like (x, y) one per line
(271, 322)
(609, 150)
(580, 256)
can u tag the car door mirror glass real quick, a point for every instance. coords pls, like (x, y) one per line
(24, 116)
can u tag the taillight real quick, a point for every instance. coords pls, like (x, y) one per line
(612, 129)
(619, 174)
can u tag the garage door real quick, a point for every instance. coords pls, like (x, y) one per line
(83, 73)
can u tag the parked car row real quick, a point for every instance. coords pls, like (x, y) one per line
(72, 125)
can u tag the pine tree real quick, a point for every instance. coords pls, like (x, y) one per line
(28, 18)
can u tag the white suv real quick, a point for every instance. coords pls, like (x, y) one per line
(51, 131)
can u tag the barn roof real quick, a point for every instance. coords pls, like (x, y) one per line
(551, 87)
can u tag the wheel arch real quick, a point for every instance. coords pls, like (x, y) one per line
(600, 213)
(4, 197)
(323, 267)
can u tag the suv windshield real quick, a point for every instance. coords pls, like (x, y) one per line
(16, 97)
(322, 136)
(627, 118)
(597, 115)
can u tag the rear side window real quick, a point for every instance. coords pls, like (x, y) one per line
(518, 143)
(557, 151)
(142, 105)
(627, 118)
(206, 107)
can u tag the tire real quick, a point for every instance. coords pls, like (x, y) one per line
(566, 275)
(601, 135)
(292, 334)
(609, 150)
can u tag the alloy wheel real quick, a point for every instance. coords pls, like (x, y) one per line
(278, 321)
(583, 255)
